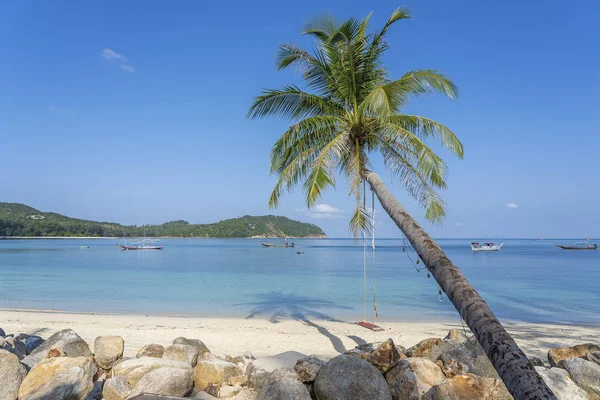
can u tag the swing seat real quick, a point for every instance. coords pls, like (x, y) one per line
(370, 326)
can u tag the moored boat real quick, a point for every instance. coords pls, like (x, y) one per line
(579, 246)
(488, 246)
(275, 245)
(141, 247)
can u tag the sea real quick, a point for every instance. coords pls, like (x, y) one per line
(528, 280)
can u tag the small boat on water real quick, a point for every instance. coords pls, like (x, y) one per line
(145, 244)
(277, 245)
(488, 246)
(579, 246)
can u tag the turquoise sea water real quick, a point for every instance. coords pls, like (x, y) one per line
(528, 280)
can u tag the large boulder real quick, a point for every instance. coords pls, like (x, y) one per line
(258, 377)
(456, 336)
(202, 349)
(471, 354)
(116, 388)
(431, 348)
(151, 350)
(135, 369)
(452, 368)
(214, 372)
(66, 341)
(107, 350)
(182, 352)
(14, 346)
(59, 378)
(284, 389)
(12, 374)
(411, 378)
(584, 373)
(562, 353)
(561, 384)
(385, 356)
(350, 378)
(307, 368)
(468, 387)
(31, 341)
(166, 381)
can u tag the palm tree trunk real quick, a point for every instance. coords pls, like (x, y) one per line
(513, 366)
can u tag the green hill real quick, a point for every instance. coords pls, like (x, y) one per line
(21, 220)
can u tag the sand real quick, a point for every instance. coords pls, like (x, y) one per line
(263, 338)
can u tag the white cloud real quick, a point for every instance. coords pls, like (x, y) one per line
(459, 225)
(322, 211)
(60, 110)
(512, 205)
(113, 55)
(326, 208)
(127, 68)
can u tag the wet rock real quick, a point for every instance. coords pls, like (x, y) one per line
(116, 388)
(468, 387)
(385, 356)
(165, 381)
(202, 349)
(66, 341)
(472, 355)
(12, 374)
(536, 362)
(307, 368)
(59, 378)
(562, 353)
(107, 350)
(452, 368)
(411, 378)
(182, 352)
(350, 378)
(456, 336)
(151, 350)
(13, 346)
(215, 371)
(584, 373)
(136, 368)
(560, 383)
(284, 389)
(431, 348)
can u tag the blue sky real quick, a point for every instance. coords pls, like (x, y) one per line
(135, 111)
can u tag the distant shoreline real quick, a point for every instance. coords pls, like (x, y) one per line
(156, 237)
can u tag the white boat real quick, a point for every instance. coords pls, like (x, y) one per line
(489, 246)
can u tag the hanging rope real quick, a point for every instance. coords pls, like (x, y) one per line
(364, 257)
(373, 252)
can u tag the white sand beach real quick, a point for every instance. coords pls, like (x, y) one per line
(233, 336)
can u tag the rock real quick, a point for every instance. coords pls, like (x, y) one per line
(431, 348)
(358, 353)
(350, 378)
(536, 362)
(166, 381)
(182, 352)
(214, 372)
(456, 336)
(452, 368)
(472, 355)
(54, 352)
(584, 373)
(258, 377)
(239, 380)
(228, 392)
(2, 333)
(32, 343)
(59, 378)
(560, 383)
(96, 392)
(135, 369)
(202, 349)
(385, 356)
(116, 388)
(14, 346)
(411, 378)
(151, 350)
(284, 389)
(12, 374)
(203, 396)
(469, 387)
(66, 341)
(107, 350)
(307, 368)
(592, 356)
(556, 355)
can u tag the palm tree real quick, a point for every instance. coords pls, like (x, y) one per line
(352, 110)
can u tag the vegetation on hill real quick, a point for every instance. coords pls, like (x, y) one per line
(22, 220)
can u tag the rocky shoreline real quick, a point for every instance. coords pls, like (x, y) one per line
(64, 367)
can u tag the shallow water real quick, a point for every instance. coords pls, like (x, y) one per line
(528, 280)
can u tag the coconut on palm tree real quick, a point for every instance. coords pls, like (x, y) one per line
(351, 110)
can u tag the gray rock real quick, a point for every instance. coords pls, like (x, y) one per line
(14, 346)
(66, 341)
(107, 350)
(12, 374)
(258, 377)
(284, 389)
(350, 378)
(32, 343)
(202, 349)
(96, 392)
(593, 356)
(2, 333)
(431, 348)
(59, 378)
(411, 378)
(135, 369)
(472, 355)
(151, 350)
(307, 368)
(165, 381)
(585, 374)
(536, 362)
(116, 388)
(214, 372)
(456, 336)
(182, 352)
(560, 383)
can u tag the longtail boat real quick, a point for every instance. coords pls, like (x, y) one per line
(141, 247)
(578, 247)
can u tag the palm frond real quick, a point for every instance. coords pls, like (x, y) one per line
(322, 26)
(360, 222)
(426, 128)
(292, 103)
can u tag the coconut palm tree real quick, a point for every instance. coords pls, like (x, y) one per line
(351, 110)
